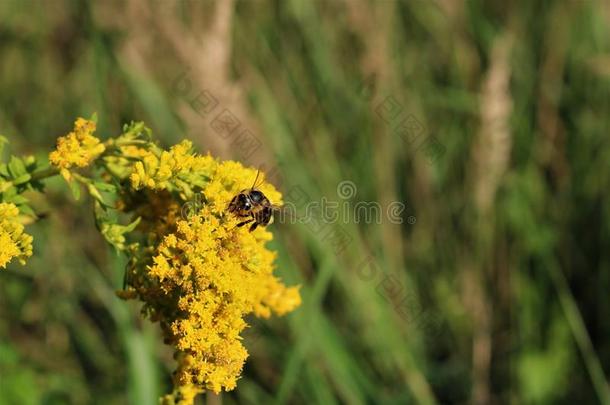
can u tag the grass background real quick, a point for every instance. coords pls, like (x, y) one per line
(504, 274)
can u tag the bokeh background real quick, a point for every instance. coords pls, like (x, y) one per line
(489, 120)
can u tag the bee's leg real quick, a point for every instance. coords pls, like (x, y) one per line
(244, 222)
(253, 226)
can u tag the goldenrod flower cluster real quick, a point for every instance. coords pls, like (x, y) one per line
(210, 276)
(79, 148)
(14, 242)
(196, 272)
(206, 275)
(158, 169)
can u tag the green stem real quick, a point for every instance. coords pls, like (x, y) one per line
(39, 175)
(580, 333)
(45, 173)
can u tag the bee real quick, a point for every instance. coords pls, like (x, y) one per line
(252, 204)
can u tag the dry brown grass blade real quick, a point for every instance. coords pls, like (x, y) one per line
(204, 48)
(491, 154)
(492, 148)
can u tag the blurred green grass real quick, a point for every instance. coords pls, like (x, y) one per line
(519, 286)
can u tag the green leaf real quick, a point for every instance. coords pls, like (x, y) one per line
(19, 199)
(115, 233)
(4, 170)
(95, 193)
(133, 225)
(9, 193)
(111, 188)
(22, 179)
(75, 188)
(134, 131)
(16, 167)
(27, 210)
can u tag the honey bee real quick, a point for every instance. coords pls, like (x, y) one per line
(252, 204)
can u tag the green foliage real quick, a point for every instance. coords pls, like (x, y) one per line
(16, 178)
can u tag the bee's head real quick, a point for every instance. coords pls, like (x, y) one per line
(244, 201)
(256, 196)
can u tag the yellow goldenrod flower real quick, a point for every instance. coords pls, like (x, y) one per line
(182, 170)
(14, 242)
(210, 274)
(77, 149)
(156, 170)
(203, 275)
